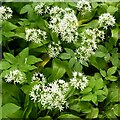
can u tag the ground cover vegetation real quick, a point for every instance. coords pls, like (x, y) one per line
(60, 60)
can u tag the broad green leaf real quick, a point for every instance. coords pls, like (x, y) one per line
(78, 67)
(116, 109)
(28, 110)
(91, 83)
(36, 45)
(26, 67)
(70, 51)
(112, 9)
(86, 90)
(103, 72)
(18, 114)
(69, 116)
(115, 34)
(21, 57)
(27, 88)
(99, 84)
(102, 49)
(111, 78)
(20, 35)
(8, 34)
(70, 92)
(107, 57)
(9, 57)
(87, 97)
(58, 69)
(9, 109)
(46, 117)
(115, 59)
(71, 62)
(25, 9)
(7, 26)
(99, 92)
(111, 71)
(99, 54)
(94, 113)
(4, 65)
(113, 95)
(65, 56)
(54, 36)
(32, 60)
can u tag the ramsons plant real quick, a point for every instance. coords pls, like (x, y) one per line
(61, 60)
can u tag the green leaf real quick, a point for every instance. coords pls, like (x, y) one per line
(87, 97)
(9, 109)
(70, 51)
(70, 92)
(7, 26)
(8, 34)
(115, 59)
(22, 56)
(4, 65)
(116, 109)
(107, 57)
(46, 117)
(9, 57)
(103, 72)
(65, 56)
(32, 60)
(36, 45)
(54, 36)
(25, 9)
(86, 90)
(99, 84)
(99, 54)
(111, 71)
(115, 34)
(102, 49)
(78, 67)
(68, 116)
(58, 70)
(26, 67)
(111, 78)
(93, 113)
(71, 62)
(17, 115)
(112, 9)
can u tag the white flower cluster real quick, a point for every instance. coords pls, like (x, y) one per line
(106, 20)
(84, 6)
(41, 8)
(79, 80)
(39, 77)
(35, 35)
(54, 49)
(64, 23)
(15, 76)
(88, 45)
(5, 13)
(51, 95)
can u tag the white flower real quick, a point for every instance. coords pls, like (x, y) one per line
(35, 35)
(84, 6)
(5, 13)
(41, 8)
(64, 23)
(51, 96)
(79, 80)
(54, 49)
(39, 77)
(88, 45)
(106, 20)
(15, 76)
